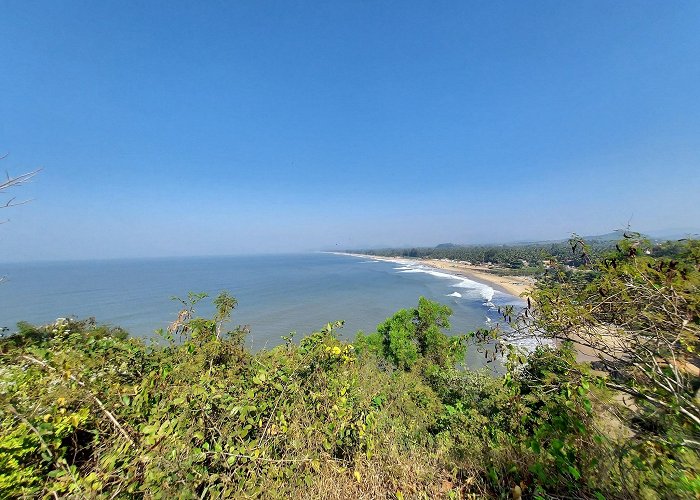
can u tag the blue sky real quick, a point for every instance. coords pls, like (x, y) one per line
(197, 128)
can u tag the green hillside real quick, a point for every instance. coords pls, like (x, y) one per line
(88, 412)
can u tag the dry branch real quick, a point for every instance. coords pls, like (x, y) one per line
(99, 403)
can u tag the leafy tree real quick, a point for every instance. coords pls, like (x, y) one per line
(513, 255)
(87, 412)
(412, 334)
(637, 316)
(189, 326)
(225, 304)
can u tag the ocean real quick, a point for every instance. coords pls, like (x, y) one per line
(277, 294)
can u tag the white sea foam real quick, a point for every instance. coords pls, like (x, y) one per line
(484, 291)
(530, 343)
(472, 289)
(426, 270)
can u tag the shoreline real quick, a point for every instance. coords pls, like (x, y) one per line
(517, 286)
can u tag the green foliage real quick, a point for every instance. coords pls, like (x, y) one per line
(225, 304)
(507, 255)
(415, 334)
(88, 412)
(636, 312)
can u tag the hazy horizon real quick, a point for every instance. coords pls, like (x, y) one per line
(662, 233)
(175, 129)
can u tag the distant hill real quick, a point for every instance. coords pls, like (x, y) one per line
(659, 235)
(616, 235)
(676, 233)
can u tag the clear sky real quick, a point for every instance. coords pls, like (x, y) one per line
(195, 128)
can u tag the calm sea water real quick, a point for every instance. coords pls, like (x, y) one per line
(276, 294)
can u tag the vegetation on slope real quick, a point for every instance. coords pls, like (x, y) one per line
(510, 256)
(89, 412)
(523, 259)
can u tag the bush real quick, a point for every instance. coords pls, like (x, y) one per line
(89, 412)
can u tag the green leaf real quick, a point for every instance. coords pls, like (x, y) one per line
(574, 472)
(587, 405)
(149, 429)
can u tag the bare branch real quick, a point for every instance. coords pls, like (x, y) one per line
(13, 182)
(99, 403)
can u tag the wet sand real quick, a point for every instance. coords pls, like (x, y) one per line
(518, 286)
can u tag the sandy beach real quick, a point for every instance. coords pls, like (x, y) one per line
(513, 285)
